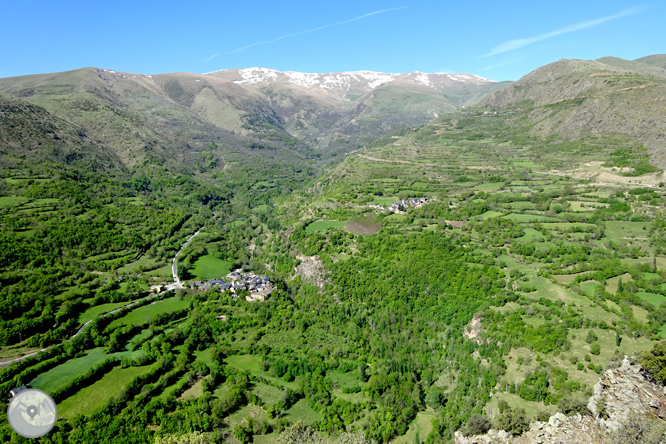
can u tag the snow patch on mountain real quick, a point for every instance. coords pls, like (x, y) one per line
(256, 75)
(355, 80)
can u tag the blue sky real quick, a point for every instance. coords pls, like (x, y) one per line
(497, 40)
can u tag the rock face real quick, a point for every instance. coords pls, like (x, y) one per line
(621, 391)
(626, 390)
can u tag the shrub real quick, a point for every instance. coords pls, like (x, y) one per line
(477, 425)
(654, 361)
(513, 421)
(570, 405)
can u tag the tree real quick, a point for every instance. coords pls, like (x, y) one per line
(654, 361)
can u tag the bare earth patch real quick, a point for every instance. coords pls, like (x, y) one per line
(311, 269)
(363, 227)
(604, 176)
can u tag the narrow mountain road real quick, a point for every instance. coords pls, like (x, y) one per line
(176, 284)
(174, 263)
(473, 167)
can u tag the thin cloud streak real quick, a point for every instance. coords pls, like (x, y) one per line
(499, 65)
(286, 36)
(512, 45)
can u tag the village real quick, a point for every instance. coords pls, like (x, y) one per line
(259, 287)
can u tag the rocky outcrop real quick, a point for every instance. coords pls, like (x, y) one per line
(560, 429)
(623, 391)
(619, 393)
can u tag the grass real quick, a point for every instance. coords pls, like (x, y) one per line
(301, 411)
(531, 234)
(490, 214)
(652, 298)
(164, 271)
(97, 310)
(589, 287)
(249, 411)
(250, 363)
(143, 314)
(422, 425)
(210, 267)
(193, 392)
(527, 217)
(91, 398)
(168, 391)
(267, 393)
(384, 200)
(521, 205)
(63, 373)
(11, 200)
(611, 284)
(640, 313)
(325, 225)
(566, 278)
(493, 186)
(622, 231)
(344, 379)
(204, 356)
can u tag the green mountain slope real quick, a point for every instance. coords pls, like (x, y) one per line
(573, 99)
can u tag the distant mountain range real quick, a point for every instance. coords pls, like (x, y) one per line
(137, 117)
(117, 119)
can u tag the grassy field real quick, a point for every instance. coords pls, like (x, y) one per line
(95, 396)
(589, 287)
(97, 310)
(204, 356)
(250, 363)
(210, 267)
(193, 392)
(10, 200)
(491, 214)
(421, 426)
(611, 284)
(144, 314)
(325, 225)
(267, 393)
(527, 217)
(652, 298)
(489, 186)
(384, 200)
(301, 411)
(57, 376)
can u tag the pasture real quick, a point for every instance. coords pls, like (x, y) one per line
(325, 225)
(144, 314)
(89, 399)
(210, 267)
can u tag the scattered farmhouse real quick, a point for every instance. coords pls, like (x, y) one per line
(18, 390)
(395, 207)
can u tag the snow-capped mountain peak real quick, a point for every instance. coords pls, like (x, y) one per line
(349, 82)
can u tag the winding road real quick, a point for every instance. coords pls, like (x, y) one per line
(173, 286)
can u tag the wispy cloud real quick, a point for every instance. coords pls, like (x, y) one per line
(512, 45)
(286, 36)
(499, 65)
